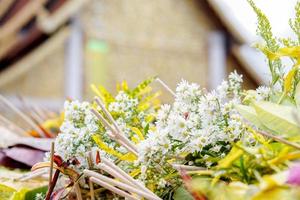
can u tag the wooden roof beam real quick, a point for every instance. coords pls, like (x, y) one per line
(21, 18)
(5, 5)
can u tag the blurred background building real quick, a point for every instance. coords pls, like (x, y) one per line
(54, 49)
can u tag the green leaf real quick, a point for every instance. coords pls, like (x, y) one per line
(297, 95)
(232, 156)
(277, 193)
(249, 114)
(20, 195)
(182, 194)
(295, 24)
(6, 193)
(19, 190)
(278, 118)
(288, 81)
(142, 86)
(286, 100)
(32, 193)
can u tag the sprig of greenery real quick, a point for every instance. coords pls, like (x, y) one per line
(295, 24)
(264, 30)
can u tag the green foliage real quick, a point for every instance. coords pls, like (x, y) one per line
(6, 193)
(264, 30)
(297, 95)
(9, 193)
(276, 190)
(141, 88)
(256, 169)
(249, 113)
(32, 194)
(275, 49)
(135, 109)
(295, 24)
(10, 189)
(248, 164)
(278, 118)
(181, 193)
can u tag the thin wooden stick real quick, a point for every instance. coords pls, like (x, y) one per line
(30, 110)
(279, 139)
(49, 113)
(117, 129)
(122, 140)
(107, 113)
(39, 112)
(127, 177)
(105, 122)
(92, 192)
(187, 167)
(166, 86)
(53, 183)
(90, 164)
(22, 115)
(51, 163)
(31, 175)
(114, 173)
(89, 159)
(123, 178)
(113, 189)
(36, 117)
(14, 126)
(77, 191)
(121, 185)
(118, 173)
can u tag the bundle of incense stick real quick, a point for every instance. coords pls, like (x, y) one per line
(116, 133)
(35, 118)
(187, 167)
(123, 184)
(33, 174)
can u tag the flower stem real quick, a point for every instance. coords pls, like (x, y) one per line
(53, 183)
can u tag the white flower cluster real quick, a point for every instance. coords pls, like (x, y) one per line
(123, 105)
(77, 129)
(39, 196)
(196, 123)
(80, 124)
(263, 93)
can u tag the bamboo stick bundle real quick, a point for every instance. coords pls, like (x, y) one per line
(122, 181)
(117, 134)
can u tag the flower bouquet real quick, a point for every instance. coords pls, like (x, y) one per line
(227, 143)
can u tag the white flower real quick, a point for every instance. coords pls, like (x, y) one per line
(195, 121)
(165, 144)
(39, 196)
(263, 93)
(235, 79)
(163, 113)
(77, 129)
(162, 183)
(123, 104)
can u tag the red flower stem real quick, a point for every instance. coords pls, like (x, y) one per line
(53, 183)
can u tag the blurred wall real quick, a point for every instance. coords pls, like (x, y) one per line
(141, 38)
(130, 40)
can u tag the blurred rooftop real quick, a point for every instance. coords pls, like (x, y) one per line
(53, 49)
